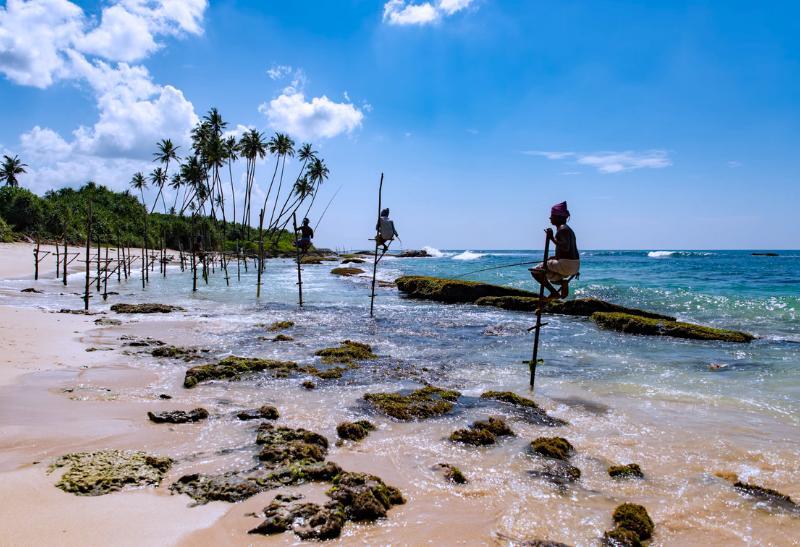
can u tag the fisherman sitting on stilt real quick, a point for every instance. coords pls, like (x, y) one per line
(566, 263)
(386, 231)
(306, 233)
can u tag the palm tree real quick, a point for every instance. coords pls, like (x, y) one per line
(317, 172)
(10, 169)
(158, 177)
(306, 153)
(251, 147)
(166, 153)
(138, 182)
(175, 184)
(281, 145)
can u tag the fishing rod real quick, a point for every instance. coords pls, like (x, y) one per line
(326, 209)
(497, 268)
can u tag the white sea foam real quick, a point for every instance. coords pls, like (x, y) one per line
(660, 254)
(468, 255)
(433, 251)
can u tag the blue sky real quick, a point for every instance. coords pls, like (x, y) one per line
(663, 124)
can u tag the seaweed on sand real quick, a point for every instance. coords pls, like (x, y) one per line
(233, 368)
(102, 472)
(627, 323)
(347, 352)
(426, 402)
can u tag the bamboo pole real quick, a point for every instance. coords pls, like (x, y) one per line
(260, 252)
(36, 260)
(105, 277)
(98, 263)
(375, 263)
(299, 276)
(58, 262)
(64, 271)
(86, 295)
(538, 326)
(194, 262)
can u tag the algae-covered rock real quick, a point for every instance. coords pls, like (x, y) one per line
(265, 412)
(332, 373)
(557, 472)
(421, 403)
(773, 497)
(280, 325)
(347, 352)
(633, 517)
(315, 260)
(231, 487)
(145, 308)
(528, 406)
(107, 322)
(621, 537)
(365, 497)
(178, 416)
(557, 448)
(632, 324)
(482, 433)
(308, 384)
(452, 473)
(282, 338)
(232, 368)
(453, 290)
(354, 431)
(309, 521)
(583, 307)
(347, 272)
(496, 426)
(353, 261)
(284, 445)
(98, 473)
(631, 470)
(174, 352)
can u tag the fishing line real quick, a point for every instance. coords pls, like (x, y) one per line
(496, 268)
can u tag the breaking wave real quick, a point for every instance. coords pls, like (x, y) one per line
(468, 255)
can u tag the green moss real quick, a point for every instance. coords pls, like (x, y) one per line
(620, 537)
(625, 471)
(308, 384)
(285, 446)
(365, 498)
(347, 272)
(233, 368)
(347, 352)
(452, 473)
(353, 261)
(627, 323)
(532, 410)
(423, 403)
(6, 234)
(354, 431)
(453, 290)
(311, 260)
(98, 473)
(633, 517)
(282, 338)
(145, 308)
(558, 448)
(584, 307)
(174, 352)
(495, 426)
(280, 325)
(477, 437)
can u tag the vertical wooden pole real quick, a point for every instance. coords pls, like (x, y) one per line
(98, 263)
(64, 271)
(194, 261)
(36, 260)
(538, 326)
(299, 276)
(119, 263)
(105, 277)
(58, 261)
(375, 263)
(260, 252)
(88, 257)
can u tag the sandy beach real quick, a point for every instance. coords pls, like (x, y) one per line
(71, 385)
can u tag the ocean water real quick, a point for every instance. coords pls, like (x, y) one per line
(652, 400)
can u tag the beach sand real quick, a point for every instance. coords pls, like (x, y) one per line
(56, 398)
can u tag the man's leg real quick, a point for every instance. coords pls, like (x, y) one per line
(564, 289)
(540, 276)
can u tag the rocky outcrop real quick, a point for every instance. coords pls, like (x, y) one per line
(631, 470)
(583, 307)
(145, 308)
(528, 407)
(452, 290)
(557, 472)
(633, 324)
(452, 473)
(265, 412)
(233, 368)
(175, 352)
(482, 432)
(633, 526)
(178, 416)
(284, 445)
(354, 431)
(347, 352)
(422, 403)
(365, 497)
(309, 521)
(98, 473)
(280, 325)
(557, 448)
(414, 254)
(347, 272)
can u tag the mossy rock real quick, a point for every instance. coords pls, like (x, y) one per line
(422, 403)
(583, 307)
(265, 412)
(103, 472)
(353, 261)
(557, 448)
(632, 324)
(314, 260)
(773, 497)
(308, 384)
(333, 373)
(233, 368)
(347, 352)
(557, 472)
(365, 497)
(282, 338)
(476, 437)
(452, 473)
(145, 308)
(621, 537)
(231, 487)
(347, 272)
(178, 416)
(175, 352)
(633, 517)
(284, 445)
(453, 291)
(354, 431)
(280, 325)
(528, 406)
(631, 470)
(309, 521)
(495, 426)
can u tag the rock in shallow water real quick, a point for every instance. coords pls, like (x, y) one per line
(557, 448)
(145, 308)
(309, 521)
(632, 324)
(354, 431)
(178, 416)
(531, 410)
(98, 473)
(266, 412)
(233, 368)
(631, 470)
(452, 473)
(422, 403)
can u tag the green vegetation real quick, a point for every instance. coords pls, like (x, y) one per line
(347, 272)
(145, 308)
(452, 290)
(531, 409)
(452, 473)
(625, 471)
(633, 324)
(347, 352)
(583, 307)
(633, 523)
(557, 448)
(482, 432)
(6, 235)
(98, 473)
(423, 403)
(280, 325)
(232, 368)
(354, 431)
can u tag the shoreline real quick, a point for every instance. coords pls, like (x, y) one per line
(40, 421)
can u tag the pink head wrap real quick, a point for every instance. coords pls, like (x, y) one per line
(560, 210)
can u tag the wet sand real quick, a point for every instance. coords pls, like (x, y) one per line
(55, 398)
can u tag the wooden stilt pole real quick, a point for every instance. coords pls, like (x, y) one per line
(99, 279)
(88, 258)
(299, 276)
(260, 252)
(105, 277)
(375, 262)
(538, 326)
(64, 271)
(58, 261)
(119, 263)
(194, 261)
(36, 260)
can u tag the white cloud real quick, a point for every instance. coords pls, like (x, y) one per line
(277, 72)
(404, 12)
(734, 164)
(611, 162)
(318, 118)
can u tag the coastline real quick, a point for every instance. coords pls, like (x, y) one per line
(40, 421)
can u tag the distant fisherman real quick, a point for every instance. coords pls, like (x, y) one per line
(566, 263)
(306, 233)
(386, 231)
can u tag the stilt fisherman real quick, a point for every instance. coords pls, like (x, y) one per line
(306, 233)
(566, 263)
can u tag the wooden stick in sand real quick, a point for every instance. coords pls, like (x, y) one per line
(299, 276)
(86, 295)
(375, 263)
(538, 326)
(260, 252)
